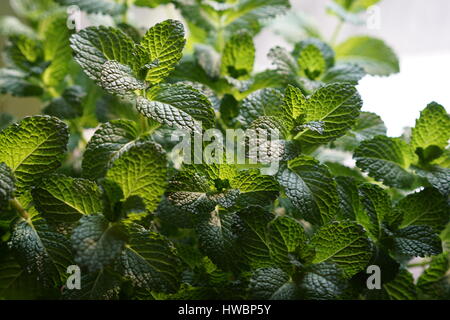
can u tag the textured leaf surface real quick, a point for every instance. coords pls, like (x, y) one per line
(311, 189)
(33, 147)
(432, 280)
(427, 207)
(141, 171)
(7, 184)
(97, 242)
(109, 141)
(64, 199)
(150, 262)
(402, 287)
(162, 47)
(370, 53)
(264, 102)
(323, 281)
(238, 56)
(385, 159)
(272, 284)
(177, 105)
(417, 241)
(344, 244)
(344, 72)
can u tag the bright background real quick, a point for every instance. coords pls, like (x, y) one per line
(417, 30)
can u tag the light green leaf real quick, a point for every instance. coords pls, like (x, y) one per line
(323, 281)
(402, 287)
(311, 189)
(434, 280)
(314, 58)
(432, 128)
(344, 72)
(337, 105)
(344, 244)
(272, 284)
(150, 261)
(177, 105)
(238, 56)
(97, 242)
(33, 147)
(107, 144)
(23, 51)
(427, 207)
(417, 241)
(65, 199)
(141, 171)
(56, 50)
(264, 102)
(370, 53)
(356, 5)
(161, 47)
(386, 159)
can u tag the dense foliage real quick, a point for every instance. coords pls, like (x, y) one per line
(142, 225)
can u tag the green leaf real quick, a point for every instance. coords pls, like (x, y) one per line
(386, 160)
(56, 50)
(118, 79)
(97, 242)
(5, 120)
(23, 51)
(272, 284)
(238, 56)
(417, 241)
(438, 177)
(162, 48)
(432, 128)
(100, 285)
(7, 184)
(377, 209)
(33, 147)
(217, 238)
(337, 105)
(264, 102)
(367, 126)
(177, 105)
(40, 250)
(314, 58)
(349, 202)
(323, 281)
(107, 144)
(344, 72)
(69, 105)
(427, 207)
(65, 199)
(11, 26)
(344, 244)
(370, 53)
(356, 5)
(433, 281)
(107, 7)
(402, 287)
(141, 171)
(150, 261)
(94, 46)
(209, 59)
(283, 61)
(14, 82)
(311, 189)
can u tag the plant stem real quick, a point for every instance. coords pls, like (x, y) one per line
(419, 264)
(20, 210)
(336, 32)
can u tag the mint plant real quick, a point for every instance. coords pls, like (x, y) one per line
(138, 221)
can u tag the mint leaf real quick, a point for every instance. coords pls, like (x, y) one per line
(238, 56)
(311, 189)
(272, 284)
(370, 53)
(336, 105)
(417, 241)
(349, 202)
(177, 105)
(149, 261)
(64, 199)
(101, 6)
(432, 128)
(344, 72)
(141, 171)
(344, 244)
(117, 78)
(69, 105)
(314, 58)
(15, 82)
(402, 287)
(33, 147)
(97, 242)
(433, 281)
(427, 207)
(385, 159)
(107, 144)
(7, 184)
(162, 48)
(41, 250)
(264, 102)
(323, 281)
(101, 285)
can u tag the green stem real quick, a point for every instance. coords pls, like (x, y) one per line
(20, 210)
(336, 32)
(419, 264)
